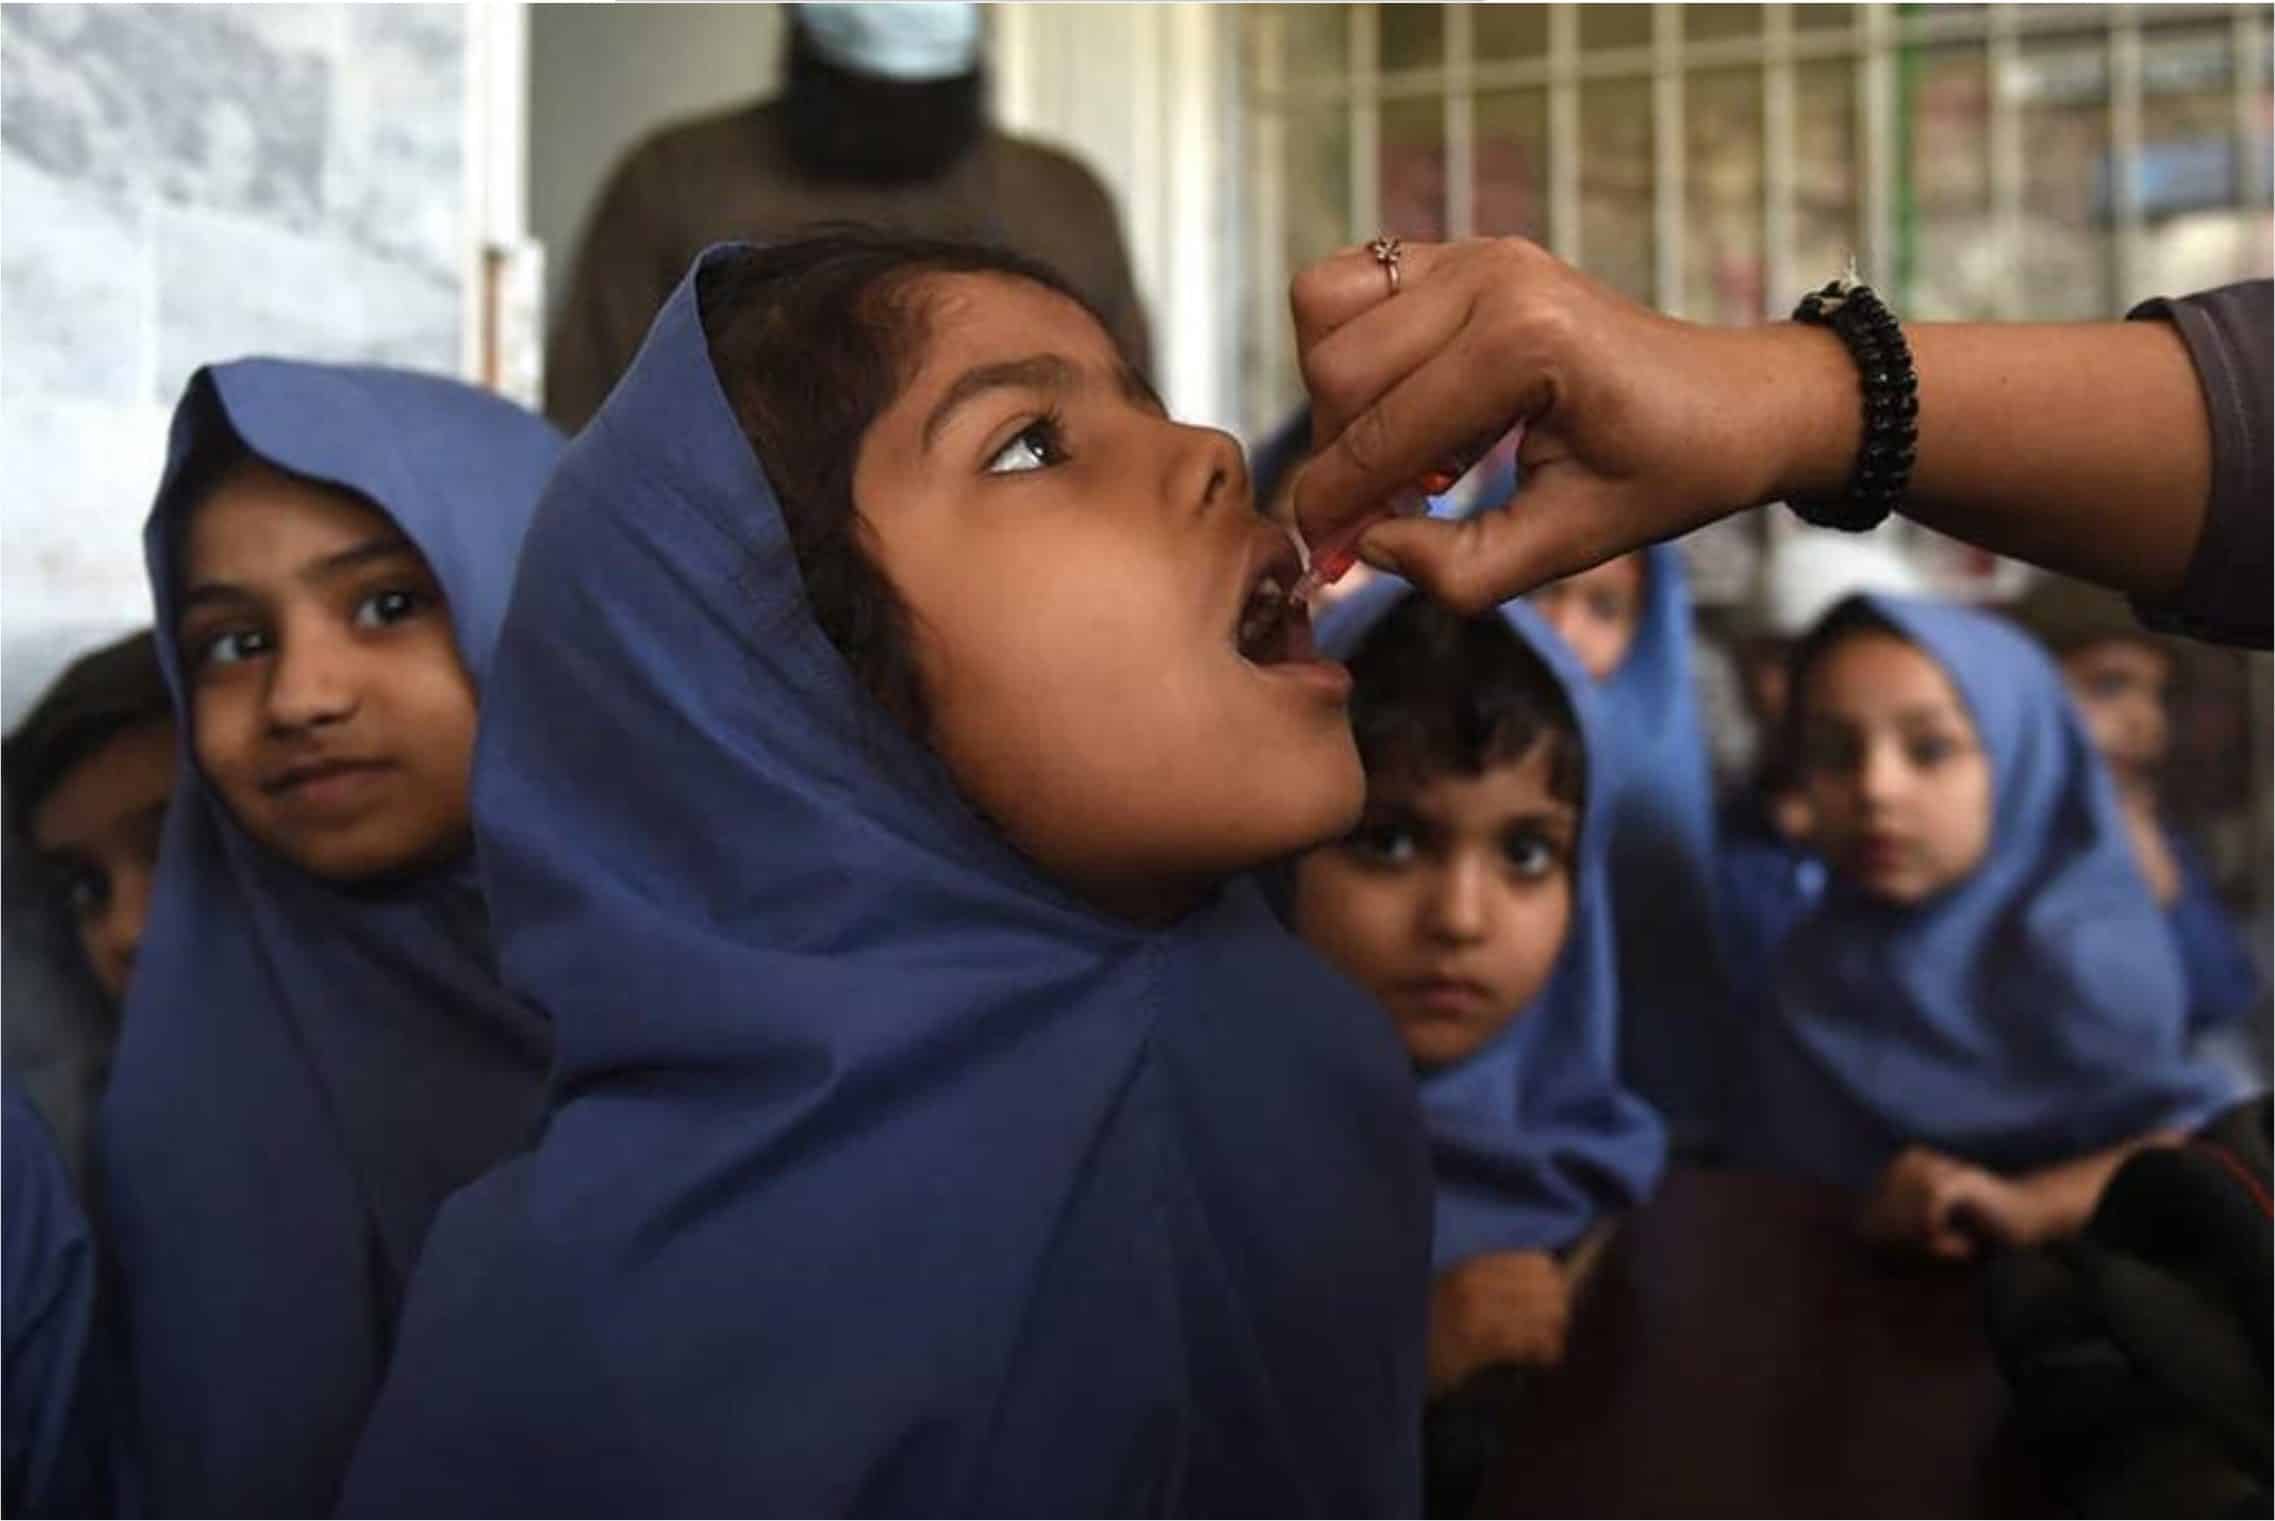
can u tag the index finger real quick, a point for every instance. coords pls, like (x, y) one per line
(1349, 283)
(1460, 394)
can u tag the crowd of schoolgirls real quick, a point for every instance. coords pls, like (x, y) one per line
(830, 945)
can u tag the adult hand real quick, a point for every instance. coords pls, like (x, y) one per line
(1504, 1307)
(1638, 427)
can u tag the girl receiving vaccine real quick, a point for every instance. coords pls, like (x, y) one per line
(1984, 1016)
(943, 1124)
(317, 1050)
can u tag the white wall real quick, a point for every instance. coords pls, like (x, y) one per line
(184, 184)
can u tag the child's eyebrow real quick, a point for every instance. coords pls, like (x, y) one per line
(1927, 713)
(385, 546)
(1136, 388)
(1037, 372)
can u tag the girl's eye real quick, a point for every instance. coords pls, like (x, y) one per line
(1383, 844)
(2108, 686)
(233, 647)
(1038, 447)
(384, 607)
(1930, 751)
(1530, 855)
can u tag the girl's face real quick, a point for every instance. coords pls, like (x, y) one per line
(1899, 785)
(1078, 567)
(2123, 689)
(1449, 902)
(1597, 612)
(98, 829)
(329, 707)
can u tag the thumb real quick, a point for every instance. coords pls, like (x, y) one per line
(1561, 522)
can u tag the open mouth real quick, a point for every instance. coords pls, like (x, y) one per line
(1273, 627)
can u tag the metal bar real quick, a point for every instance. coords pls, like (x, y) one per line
(1564, 132)
(1779, 90)
(2125, 154)
(1667, 184)
(1875, 97)
(2249, 44)
(2003, 56)
(1269, 337)
(1461, 125)
(1366, 123)
(1817, 44)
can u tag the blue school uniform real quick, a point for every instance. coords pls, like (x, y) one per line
(1534, 1136)
(57, 1423)
(307, 1071)
(1674, 992)
(2224, 983)
(1767, 885)
(2028, 1014)
(881, 1176)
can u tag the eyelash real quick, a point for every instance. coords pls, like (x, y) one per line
(1047, 434)
(412, 600)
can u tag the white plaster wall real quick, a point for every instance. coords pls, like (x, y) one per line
(183, 184)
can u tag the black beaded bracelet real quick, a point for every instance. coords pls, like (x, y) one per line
(1883, 469)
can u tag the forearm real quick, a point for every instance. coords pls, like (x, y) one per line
(2063, 1197)
(2084, 448)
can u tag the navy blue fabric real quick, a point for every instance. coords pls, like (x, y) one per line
(1534, 1137)
(54, 1431)
(1674, 993)
(881, 1176)
(2224, 983)
(307, 1071)
(2032, 1012)
(1767, 884)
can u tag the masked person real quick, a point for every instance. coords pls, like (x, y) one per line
(882, 121)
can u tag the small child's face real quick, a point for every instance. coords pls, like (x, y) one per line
(1899, 785)
(1596, 612)
(2122, 688)
(329, 707)
(1449, 902)
(1078, 567)
(98, 830)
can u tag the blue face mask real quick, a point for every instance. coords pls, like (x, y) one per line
(922, 40)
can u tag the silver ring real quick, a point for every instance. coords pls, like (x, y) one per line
(1387, 251)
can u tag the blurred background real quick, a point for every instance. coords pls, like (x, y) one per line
(411, 183)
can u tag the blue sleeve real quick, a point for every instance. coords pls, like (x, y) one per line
(2223, 981)
(53, 1443)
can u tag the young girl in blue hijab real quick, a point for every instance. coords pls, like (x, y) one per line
(316, 1050)
(1984, 1016)
(943, 1124)
(2121, 678)
(1628, 623)
(1471, 902)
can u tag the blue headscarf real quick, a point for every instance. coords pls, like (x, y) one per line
(881, 1176)
(1674, 991)
(307, 1071)
(1533, 1137)
(2028, 1014)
